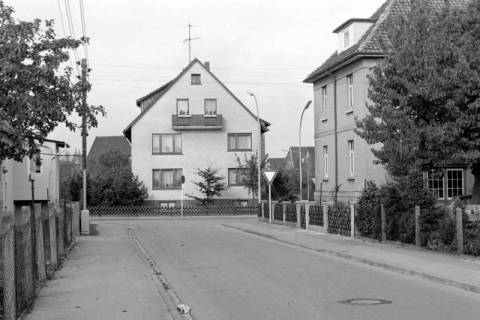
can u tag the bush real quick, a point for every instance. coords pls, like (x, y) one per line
(368, 212)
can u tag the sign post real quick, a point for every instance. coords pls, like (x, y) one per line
(270, 176)
(182, 180)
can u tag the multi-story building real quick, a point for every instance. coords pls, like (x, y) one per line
(340, 84)
(192, 122)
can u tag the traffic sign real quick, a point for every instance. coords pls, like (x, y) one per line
(270, 176)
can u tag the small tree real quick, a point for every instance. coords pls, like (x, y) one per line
(210, 186)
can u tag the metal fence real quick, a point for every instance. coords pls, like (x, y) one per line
(316, 215)
(29, 250)
(198, 210)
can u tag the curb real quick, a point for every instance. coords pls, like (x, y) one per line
(385, 266)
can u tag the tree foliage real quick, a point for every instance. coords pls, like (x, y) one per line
(210, 186)
(425, 95)
(36, 94)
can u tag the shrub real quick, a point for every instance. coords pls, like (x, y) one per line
(368, 212)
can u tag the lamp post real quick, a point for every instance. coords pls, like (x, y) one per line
(258, 147)
(300, 146)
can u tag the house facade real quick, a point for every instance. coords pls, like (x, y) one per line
(192, 122)
(16, 178)
(344, 160)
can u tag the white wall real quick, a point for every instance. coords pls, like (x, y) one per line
(201, 148)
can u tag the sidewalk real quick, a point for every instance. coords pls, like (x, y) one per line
(103, 278)
(459, 271)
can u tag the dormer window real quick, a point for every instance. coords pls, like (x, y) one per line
(196, 79)
(346, 39)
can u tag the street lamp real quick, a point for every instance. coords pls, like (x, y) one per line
(258, 146)
(300, 146)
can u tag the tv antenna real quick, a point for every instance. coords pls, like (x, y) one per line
(189, 40)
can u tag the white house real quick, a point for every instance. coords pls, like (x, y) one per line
(192, 122)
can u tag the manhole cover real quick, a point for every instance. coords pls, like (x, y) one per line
(365, 302)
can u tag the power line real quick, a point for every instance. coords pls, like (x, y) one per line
(84, 29)
(72, 32)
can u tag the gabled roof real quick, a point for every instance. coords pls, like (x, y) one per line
(108, 143)
(158, 93)
(370, 45)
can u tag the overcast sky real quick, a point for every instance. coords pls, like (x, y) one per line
(267, 47)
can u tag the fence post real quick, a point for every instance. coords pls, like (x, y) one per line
(417, 225)
(383, 219)
(8, 270)
(263, 211)
(75, 221)
(325, 217)
(459, 225)
(307, 215)
(352, 221)
(297, 206)
(284, 209)
(274, 205)
(39, 245)
(53, 238)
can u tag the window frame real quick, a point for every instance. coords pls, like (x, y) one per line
(324, 101)
(173, 143)
(351, 159)
(236, 141)
(325, 162)
(192, 75)
(188, 107)
(350, 91)
(235, 184)
(165, 169)
(447, 185)
(439, 180)
(29, 166)
(346, 39)
(205, 107)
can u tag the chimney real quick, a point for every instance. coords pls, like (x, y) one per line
(207, 65)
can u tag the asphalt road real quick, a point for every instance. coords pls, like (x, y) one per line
(227, 274)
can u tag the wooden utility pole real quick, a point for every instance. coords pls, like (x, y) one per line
(84, 133)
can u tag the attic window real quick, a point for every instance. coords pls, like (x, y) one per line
(196, 79)
(346, 39)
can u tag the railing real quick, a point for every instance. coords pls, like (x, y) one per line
(197, 122)
(209, 210)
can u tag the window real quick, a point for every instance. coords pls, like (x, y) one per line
(325, 162)
(210, 106)
(167, 143)
(435, 183)
(351, 159)
(239, 142)
(324, 101)
(237, 176)
(163, 179)
(346, 39)
(350, 91)
(35, 165)
(454, 183)
(196, 79)
(182, 107)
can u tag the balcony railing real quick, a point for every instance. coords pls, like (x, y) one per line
(197, 122)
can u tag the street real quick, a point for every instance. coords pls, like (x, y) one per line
(227, 274)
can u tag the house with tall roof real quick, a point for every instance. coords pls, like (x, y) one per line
(340, 85)
(192, 122)
(117, 145)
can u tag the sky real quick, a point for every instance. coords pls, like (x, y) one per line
(267, 47)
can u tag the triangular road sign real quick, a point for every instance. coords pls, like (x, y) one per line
(270, 176)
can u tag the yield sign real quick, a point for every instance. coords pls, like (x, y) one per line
(270, 176)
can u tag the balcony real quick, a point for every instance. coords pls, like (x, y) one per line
(197, 122)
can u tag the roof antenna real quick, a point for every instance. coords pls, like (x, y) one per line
(189, 40)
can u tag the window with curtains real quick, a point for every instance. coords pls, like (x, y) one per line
(164, 179)
(350, 91)
(325, 162)
(210, 107)
(236, 176)
(324, 101)
(167, 143)
(351, 159)
(183, 108)
(239, 142)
